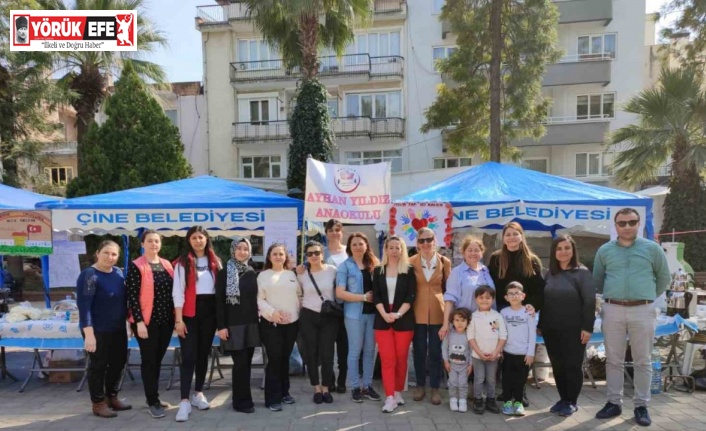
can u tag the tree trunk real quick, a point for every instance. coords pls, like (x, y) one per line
(496, 47)
(308, 41)
(89, 85)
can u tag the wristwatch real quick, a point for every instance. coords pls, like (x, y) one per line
(399, 315)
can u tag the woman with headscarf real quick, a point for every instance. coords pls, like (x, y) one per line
(237, 319)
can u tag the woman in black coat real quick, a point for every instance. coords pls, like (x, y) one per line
(237, 319)
(394, 287)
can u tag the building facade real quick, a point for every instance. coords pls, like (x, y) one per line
(380, 89)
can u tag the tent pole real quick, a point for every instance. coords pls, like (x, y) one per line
(126, 252)
(45, 279)
(302, 242)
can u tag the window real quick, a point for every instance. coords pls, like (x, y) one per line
(452, 162)
(261, 167)
(375, 105)
(539, 165)
(596, 46)
(60, 175)
(379, 44)
(370, 157)
(437, 5)
(594, 164)
(332, 108)
(172, 114)
(259, 112)
(257, 54)
(442, 53)
(590, 106)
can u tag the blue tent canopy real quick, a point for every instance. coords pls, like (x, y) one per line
(489, 195)
(18, 199)
(222, 206)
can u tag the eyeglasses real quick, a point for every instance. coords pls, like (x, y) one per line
(425, 240)
(313, 253)
(511, 294)
(631, 223)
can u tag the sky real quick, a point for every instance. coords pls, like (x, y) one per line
(183, 59)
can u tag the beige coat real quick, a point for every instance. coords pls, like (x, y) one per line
(429, 301)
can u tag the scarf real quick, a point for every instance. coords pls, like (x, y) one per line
(233, 271)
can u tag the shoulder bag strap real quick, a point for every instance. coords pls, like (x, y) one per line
(316, 286)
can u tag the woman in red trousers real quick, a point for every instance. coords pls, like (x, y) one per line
(394, 287)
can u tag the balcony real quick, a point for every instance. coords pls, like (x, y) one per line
(349, 69)
(343, 127)
(570, 131)
(572, 11)
(232, 13)
(60, 148)
(579, 69)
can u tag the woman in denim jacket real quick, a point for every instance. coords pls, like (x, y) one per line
(354, 286)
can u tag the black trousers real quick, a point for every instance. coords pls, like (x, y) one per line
(107, 364)
(152, 351)
(242, 365)
(319, 334)
(566, 354)
(279, 342)
(515, 373)
(196, 346)
(341, 353)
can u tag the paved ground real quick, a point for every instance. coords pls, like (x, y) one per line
(55, 407)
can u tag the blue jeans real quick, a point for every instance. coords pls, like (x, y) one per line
(360, 338)
(426, 338)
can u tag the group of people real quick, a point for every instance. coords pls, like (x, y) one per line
(466, 321)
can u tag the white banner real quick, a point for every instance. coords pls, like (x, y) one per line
(281, 233)
(352, 194)
(594, 217)
(248, 219)
(406, 218)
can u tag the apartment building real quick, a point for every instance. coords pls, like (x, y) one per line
(381, 87)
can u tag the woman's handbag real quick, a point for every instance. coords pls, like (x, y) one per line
(328, 308)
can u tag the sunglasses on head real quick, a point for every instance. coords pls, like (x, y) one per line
(425, 240)
(631, 223)
(313, 253)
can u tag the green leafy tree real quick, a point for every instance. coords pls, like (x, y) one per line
(136, 146)
(86, 73)
(503, 49)
(27, 94)
(300, 29)
(686, 20)
(670, 130)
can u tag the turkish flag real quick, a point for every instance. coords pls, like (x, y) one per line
(31, 228)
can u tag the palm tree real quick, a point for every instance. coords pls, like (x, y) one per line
(670, 130)
(85, 72)
(299, 28)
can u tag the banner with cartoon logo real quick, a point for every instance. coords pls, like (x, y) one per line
(25, 233)
(406, 218)
(353, 194)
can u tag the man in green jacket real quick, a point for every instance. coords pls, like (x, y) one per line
(631, 273)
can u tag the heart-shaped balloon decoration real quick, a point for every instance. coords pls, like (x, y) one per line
(425, 222)
(417, 223)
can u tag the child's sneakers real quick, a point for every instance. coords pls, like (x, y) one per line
(453, 403)
(462, 406)
(492, 406)
(478, 406)
(508, 409)
(519, 409)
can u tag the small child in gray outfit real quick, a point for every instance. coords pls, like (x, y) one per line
(457, 359)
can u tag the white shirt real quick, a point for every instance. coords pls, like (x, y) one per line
(339, 258)
(391, 285)
(278, 291)
(325, 279)
(205, 284)
(430, 267)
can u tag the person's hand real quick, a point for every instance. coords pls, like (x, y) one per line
(285, 317)
(469, 370)
(585, 337)
(389, 318)
(180, 329)
(89, 344)
(368, 297)
(529, 360)
(447, 366)
(142, 330)
(530, 309)
(276, 317)
(300, 269)
(487, 356)
(443, 331)
(223, 334)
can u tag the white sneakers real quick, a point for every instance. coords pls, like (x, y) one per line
(184, 411)
(462, 406)
(390, 405)
(453, 402)
(398, 399)
(200, 402)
